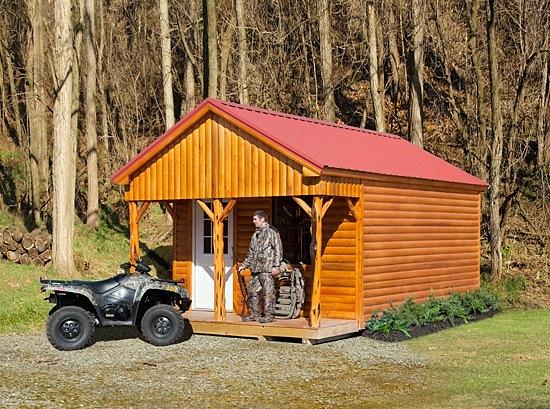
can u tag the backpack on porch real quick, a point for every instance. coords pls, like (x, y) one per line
(290, 292)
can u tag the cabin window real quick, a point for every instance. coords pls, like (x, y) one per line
(294, 227)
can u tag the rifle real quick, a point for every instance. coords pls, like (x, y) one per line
(242, 282)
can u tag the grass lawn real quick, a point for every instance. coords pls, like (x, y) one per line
(22, 305)
(501, 362)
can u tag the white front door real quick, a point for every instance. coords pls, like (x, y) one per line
(203, 263)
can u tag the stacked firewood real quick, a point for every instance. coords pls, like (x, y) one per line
(24, 247)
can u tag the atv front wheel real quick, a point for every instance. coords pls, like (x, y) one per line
(162, 325)
(70, 328)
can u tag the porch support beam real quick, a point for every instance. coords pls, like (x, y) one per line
(170, 209)
(353, 208)
(142, 209)
(218, 216)
(318, 211)
(134, 234)
(206, 209)
(303, 205)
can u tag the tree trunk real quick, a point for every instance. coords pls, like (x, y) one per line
(543, 152)
(64, 143)
(92, 214)
(166, 50)
(455, 111)
(226, 45)
(243, 50)
(188, 39)
(38, 144)
(496, 147)
(377, 102)
(325, 45)
(3, 96)
(16, 120)
(482, 141)
(77, 64)
(416, 74)
(102, 90)
(395, 64)
(210, 44)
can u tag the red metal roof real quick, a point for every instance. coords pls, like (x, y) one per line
(327, 145)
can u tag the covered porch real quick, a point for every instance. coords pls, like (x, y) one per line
(214, 169)
(316, 322)
(203, 322)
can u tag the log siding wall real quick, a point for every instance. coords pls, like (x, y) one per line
(182, 250)
(215, 159)
(338, 269)
(417, 241)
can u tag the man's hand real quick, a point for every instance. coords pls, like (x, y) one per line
(275, 272)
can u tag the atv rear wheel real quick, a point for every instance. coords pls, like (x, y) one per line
(162, 325)
(70, 328)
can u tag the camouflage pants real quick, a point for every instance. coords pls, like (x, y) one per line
(259, 282)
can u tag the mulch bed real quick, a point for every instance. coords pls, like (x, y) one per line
(420, 331)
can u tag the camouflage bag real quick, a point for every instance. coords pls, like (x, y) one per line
(290, 292)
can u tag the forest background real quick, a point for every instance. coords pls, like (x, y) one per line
(86, 84)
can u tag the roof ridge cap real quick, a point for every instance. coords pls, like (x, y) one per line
(307, 119)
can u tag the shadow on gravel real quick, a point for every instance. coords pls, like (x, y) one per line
(120, 333)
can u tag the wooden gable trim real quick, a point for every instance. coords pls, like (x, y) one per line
(124, 175)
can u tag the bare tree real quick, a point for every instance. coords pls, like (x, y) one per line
(242, 47)
(377, 99)
(543, 131)
(210, 40)
(92, 214)
(187, 37)
(325, 44)
(496, 147)
(395, 62)
(38, 142)
(225, 53)
(481, 123)
(416, 73)
(77, 59)
(64, 142)
(166, 50)
(101, 83)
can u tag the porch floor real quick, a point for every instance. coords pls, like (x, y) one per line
(203, 323)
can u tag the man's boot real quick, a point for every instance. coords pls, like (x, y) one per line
(266, 319)
(249, 318)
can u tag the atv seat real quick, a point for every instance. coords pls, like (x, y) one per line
(102, 286)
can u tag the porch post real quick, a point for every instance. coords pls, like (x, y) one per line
(134, 234)
(218, 216)
(318, 211)
(135, 217)
(317, 245)
(219, 267)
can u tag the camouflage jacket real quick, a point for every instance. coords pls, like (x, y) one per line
(265, 251)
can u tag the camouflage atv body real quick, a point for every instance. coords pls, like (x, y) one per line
(153, 305)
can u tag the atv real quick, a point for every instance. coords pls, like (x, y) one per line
(155, 306)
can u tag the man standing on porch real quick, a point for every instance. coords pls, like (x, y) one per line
(263, 260)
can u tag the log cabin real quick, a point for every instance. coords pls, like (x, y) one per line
(393, 220)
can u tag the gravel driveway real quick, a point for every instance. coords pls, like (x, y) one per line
(205, 372)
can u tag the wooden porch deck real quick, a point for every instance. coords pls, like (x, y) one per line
(203, 323)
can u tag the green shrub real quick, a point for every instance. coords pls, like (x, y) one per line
(455, 307)
(389, 320)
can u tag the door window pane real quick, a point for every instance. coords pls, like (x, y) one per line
(208, 233)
